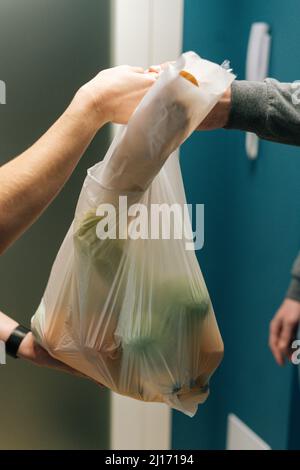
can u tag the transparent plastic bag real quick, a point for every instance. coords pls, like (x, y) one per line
(135, 314)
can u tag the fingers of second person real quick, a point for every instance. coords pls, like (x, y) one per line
(286, 337)
(278, 356)
(275, 329)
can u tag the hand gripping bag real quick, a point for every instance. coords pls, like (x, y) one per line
(133, 312)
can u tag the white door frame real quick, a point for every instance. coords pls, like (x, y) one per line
(144, 33)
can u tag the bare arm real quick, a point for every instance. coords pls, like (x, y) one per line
(29, 182)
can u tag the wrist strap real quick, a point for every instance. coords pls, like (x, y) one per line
(13, 342)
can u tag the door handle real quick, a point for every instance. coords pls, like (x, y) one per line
(257, 67)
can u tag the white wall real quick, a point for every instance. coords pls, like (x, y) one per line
(144, 33)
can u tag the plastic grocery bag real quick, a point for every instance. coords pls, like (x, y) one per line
(133, 313)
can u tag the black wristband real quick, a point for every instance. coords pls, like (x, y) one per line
(13, 342)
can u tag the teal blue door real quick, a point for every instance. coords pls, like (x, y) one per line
(252, 234)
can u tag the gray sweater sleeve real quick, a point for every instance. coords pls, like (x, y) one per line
(270, 109)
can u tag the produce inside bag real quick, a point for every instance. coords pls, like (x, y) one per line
(133, 313)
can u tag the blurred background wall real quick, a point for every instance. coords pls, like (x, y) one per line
(252, 230)
(48, 48)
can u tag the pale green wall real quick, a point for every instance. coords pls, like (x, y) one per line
(48, 48)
